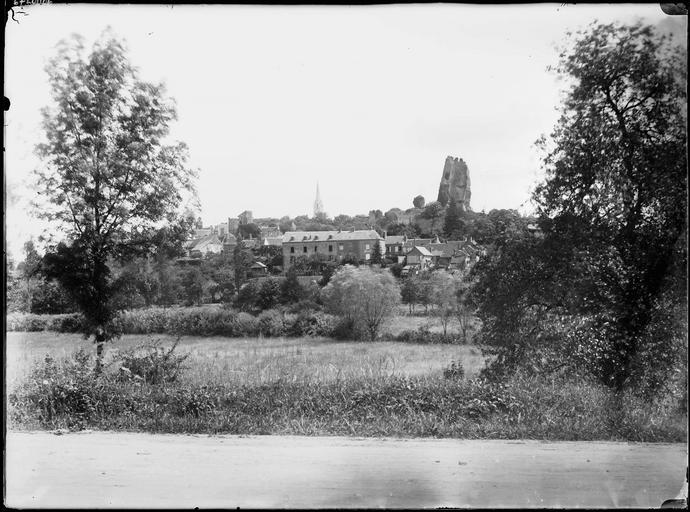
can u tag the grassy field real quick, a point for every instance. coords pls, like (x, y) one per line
(316, 386)
(216, 361)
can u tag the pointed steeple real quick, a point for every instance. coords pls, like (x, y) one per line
(318, 205)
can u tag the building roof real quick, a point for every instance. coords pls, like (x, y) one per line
(321, 236)
(273, 240)
(414, 242)
(421, 250)
(195, 243)
(258, 265)
(394, 239)
(444, 250)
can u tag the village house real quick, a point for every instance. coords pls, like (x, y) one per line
(203, 246)
(269, 232)
(258, 269)
(411, 243)
(441, 254)
(419, 256)
(394, 247)
(331, 245)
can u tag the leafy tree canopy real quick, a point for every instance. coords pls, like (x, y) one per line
(612, 209)
(110, 177)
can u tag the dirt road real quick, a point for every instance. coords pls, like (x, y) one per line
(104, 469)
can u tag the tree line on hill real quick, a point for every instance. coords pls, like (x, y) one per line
(447, 222)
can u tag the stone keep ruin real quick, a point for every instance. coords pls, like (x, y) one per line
(455, 184)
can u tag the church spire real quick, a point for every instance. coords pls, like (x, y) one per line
(318, 205)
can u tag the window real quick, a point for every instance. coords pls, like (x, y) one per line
(330, 248)
(341, 247)
(292, 250)
(304, 249)
(292, 259)
(315, 248)
(366, 247)
(330, 257)
(367, 256)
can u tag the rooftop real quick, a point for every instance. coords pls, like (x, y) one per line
(422, 250)
(321, 236)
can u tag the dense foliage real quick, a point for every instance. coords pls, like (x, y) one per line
(363, 297)
(110, 179)
(602, 287)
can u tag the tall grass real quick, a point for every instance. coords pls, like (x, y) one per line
(69, 395)
(256, 361)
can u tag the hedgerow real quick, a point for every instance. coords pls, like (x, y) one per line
(192, 322)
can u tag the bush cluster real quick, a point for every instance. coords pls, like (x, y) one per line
(28, 322)
(151, 363)
(424, 335)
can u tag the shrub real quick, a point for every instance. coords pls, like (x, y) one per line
(303, 305)
(247, 296)
(245, 325)
(424, 335)
(271, 323)
(268, 294)
(347, 329)
(27, 322)
(309, 323)
(363, 295)
(454, 371)
(152, 363)
(55, 391)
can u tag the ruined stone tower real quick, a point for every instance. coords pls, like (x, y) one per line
(455, 184)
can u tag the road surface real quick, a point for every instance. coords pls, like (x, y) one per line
(109, 469)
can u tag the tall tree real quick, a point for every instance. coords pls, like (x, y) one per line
(110, 176)
(616, 182)
(363, 296)
(612, 209)
(376, 256)
(433, 211)
(453, 225)
(241, 261)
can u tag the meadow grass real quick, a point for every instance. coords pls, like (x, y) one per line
(218, 360)
(316, 386)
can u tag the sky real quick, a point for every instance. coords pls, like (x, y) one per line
(367, 100)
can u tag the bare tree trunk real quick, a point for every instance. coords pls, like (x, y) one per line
(100, 342)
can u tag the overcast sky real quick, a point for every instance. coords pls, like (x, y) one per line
(369, 101)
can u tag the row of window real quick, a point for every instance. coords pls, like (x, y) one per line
(330, 257)
(330, 248)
